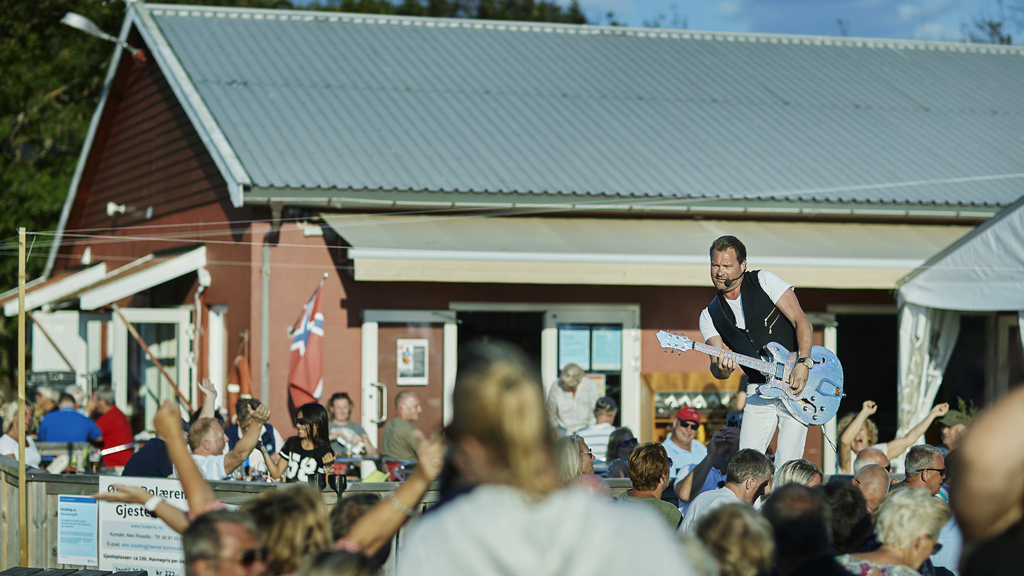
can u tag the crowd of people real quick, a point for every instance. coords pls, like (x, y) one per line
(518, 497)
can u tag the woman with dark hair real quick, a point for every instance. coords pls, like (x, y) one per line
(303, 455)
(621, 443)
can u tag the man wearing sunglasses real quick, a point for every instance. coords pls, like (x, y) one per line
(926, 468)
(681, 444)
(223, 544)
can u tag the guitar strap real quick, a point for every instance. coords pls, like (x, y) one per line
(732, 335)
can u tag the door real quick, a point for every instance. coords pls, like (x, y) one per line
(407, 350)
(139, 385)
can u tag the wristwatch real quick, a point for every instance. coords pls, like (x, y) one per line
(806, 362)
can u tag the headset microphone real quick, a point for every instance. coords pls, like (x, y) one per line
(729, 281)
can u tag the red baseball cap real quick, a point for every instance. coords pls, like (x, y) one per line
(688, 413)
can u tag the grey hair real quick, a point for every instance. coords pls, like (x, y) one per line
(76, 392)
(798, 471)
(909, 513)
(106, 393)
(567, 457)
(748, 463)
(201, 540)
(48, 393)
(920, 457)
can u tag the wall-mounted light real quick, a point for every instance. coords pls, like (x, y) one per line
(115, 208)
(79, 22)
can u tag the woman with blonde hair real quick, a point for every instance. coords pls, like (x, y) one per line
(739, 539)
(574, 457)
(292, 523)
(857, 432)
(908, 526)
(803, 472)
(9, 440)
(502, 442)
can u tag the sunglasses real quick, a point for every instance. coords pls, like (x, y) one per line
(249, 557)
(941, 471)
(936, 549)
(629, 442)
(687, 424)
(591, 454)
(303, 421)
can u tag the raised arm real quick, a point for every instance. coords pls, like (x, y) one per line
(209, 399)
(900, 445)
(846, 440)
(247, 443)
(376, 528)
(171, 516)
(989, 495)
(198, 492)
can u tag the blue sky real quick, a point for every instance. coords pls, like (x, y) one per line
(908, 19)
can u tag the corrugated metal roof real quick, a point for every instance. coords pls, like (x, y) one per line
(355, 102)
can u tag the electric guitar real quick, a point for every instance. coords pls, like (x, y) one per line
(819, 401)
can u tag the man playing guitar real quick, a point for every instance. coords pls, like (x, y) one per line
(750, 310)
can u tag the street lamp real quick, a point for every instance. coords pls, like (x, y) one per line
(79, 22)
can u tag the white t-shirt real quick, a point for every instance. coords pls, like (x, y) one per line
(596, 436)
(774, 286)
(9, 445)
(683, 460)
(211, 467)
(497, 529)
(714, 478)
(705, 503)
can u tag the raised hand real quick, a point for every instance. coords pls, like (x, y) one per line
(261, 415)
(869, 406)
(167, 420)
(208, 388)
(430, 455)
(940, 410)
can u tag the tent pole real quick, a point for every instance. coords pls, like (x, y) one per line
(20, 424)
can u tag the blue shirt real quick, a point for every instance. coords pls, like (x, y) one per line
(66, 425)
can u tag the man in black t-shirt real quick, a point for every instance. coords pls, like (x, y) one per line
(150, 461)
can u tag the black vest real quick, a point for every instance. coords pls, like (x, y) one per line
(765, 323)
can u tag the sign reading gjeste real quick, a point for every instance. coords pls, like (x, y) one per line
(130, 538)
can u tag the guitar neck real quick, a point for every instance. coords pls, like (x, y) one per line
(749, 362)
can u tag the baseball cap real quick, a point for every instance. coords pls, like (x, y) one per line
(688, 414)
(954, 417)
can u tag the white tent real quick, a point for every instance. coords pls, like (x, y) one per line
(981, 272)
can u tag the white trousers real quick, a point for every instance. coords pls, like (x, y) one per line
(761, 416)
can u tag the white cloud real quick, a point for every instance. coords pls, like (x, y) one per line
(936, 31)
(729, 9)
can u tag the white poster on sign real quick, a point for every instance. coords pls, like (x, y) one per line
(132, 539)
(76, 530)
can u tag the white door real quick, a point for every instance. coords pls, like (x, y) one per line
(138, 383)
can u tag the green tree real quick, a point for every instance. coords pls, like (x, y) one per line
(987, 28)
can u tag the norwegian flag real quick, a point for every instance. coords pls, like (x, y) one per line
(305, 373)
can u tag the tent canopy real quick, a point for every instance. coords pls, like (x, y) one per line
(983, 271)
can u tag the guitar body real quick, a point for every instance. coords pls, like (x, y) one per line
(819, 401)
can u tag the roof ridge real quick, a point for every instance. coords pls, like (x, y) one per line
(186, 10)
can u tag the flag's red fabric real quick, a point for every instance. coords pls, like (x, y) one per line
(305, 373)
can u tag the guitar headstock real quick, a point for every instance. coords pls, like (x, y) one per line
(674, 341)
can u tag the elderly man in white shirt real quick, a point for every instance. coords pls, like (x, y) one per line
(571, 400)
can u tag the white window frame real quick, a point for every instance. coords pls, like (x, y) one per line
(182, 318)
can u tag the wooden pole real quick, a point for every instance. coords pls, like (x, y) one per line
(152, 357)
(22, 489)
(52, 343)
